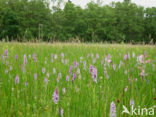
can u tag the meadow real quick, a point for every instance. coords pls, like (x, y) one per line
(75, 80)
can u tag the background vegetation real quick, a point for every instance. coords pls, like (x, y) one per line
(26, 20)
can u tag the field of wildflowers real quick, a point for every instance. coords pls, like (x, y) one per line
(75, 80)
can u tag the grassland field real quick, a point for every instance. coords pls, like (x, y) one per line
(75, 80)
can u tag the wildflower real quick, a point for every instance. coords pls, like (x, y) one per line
(142, 73)
(16, 57)
(148, 61)
(127, 57)
(51, 60)
(6, 52)
(43, 70)
(55, 57)
(81, 58)
(8, 63)
(11, 68)
(140, 59)
(105, 71)
(94, 75)
(94, 60)
(56, 96)
(66, 61)
(58, 80)
(34, 57)
(6, 71)
(51, 55)
(61, 113)
(84, 65)
(88, 56)
(97, 56)
(78, 70)
(26, 83)
(109, 56)
(126, 89)
(126, 72)
(47, 74)
(54, 70)
(67, 78)
(45, 80)
(17, 80)
(25, 59)
(74, 76)
(114, 67)
(23, 69)
(108, 59)
(35, 76)
(136, 79)
(59, 75)
(145, 54)
(29, 56)
(64, 90)
(62, 55)
(75, 64)
(70, 69)
(131, 103)
(91, 68)
(3, 57)
(113, 110)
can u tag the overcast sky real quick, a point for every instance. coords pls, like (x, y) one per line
(145, 3)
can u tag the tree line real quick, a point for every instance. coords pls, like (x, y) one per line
(56, 20)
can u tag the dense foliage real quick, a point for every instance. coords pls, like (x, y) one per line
(25, 20)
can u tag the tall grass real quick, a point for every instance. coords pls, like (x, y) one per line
(82, 97)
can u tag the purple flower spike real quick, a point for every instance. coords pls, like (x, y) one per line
(70, 69)
(76, 64)
(113, 110)
(114, 67)
(34, 57)
(52, 55)
(45, 80)
(25, 59)
(91, 68)
(97, 56)
(16, 57)
(43, 70)
(88, 56)
(59, 75)
(52, 60)
(26, 83)
(62, 55)
(6, 52)
(17, 80)
(78, 71)
(54, 70)
(64, 90)
(56, 96)
(131, 103)
(127, 57)
(74, 76)
(94, 75)
(35, 76)
(67, 78)
(84, 65)
(61, 113)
